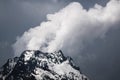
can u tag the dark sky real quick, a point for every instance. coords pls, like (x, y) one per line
(100, 59)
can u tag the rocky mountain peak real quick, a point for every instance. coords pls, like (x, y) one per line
(36, 65)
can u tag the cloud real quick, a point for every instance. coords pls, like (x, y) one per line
(69, 28)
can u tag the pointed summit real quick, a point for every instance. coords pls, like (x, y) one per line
(36, 65)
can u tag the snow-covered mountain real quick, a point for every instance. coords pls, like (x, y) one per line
(36, 65)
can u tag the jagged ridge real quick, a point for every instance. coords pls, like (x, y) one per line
(36, 65)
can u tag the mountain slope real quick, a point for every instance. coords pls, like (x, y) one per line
(36, 65)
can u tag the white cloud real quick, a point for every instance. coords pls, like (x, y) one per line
(69, 28)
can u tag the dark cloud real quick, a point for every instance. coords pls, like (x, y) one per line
(5, 51)
(100, 59)
(21, 15)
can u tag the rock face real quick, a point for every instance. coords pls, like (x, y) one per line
(36, 65)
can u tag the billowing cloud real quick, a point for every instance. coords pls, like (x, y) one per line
(70, 28)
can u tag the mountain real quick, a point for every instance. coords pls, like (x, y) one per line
(36, 65)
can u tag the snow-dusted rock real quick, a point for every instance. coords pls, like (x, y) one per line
(36, 65)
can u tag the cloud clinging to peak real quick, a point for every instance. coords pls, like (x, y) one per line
(69, 28)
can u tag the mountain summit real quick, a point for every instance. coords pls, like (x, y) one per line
(36, 65)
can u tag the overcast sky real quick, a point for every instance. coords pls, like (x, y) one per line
(99, 59)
